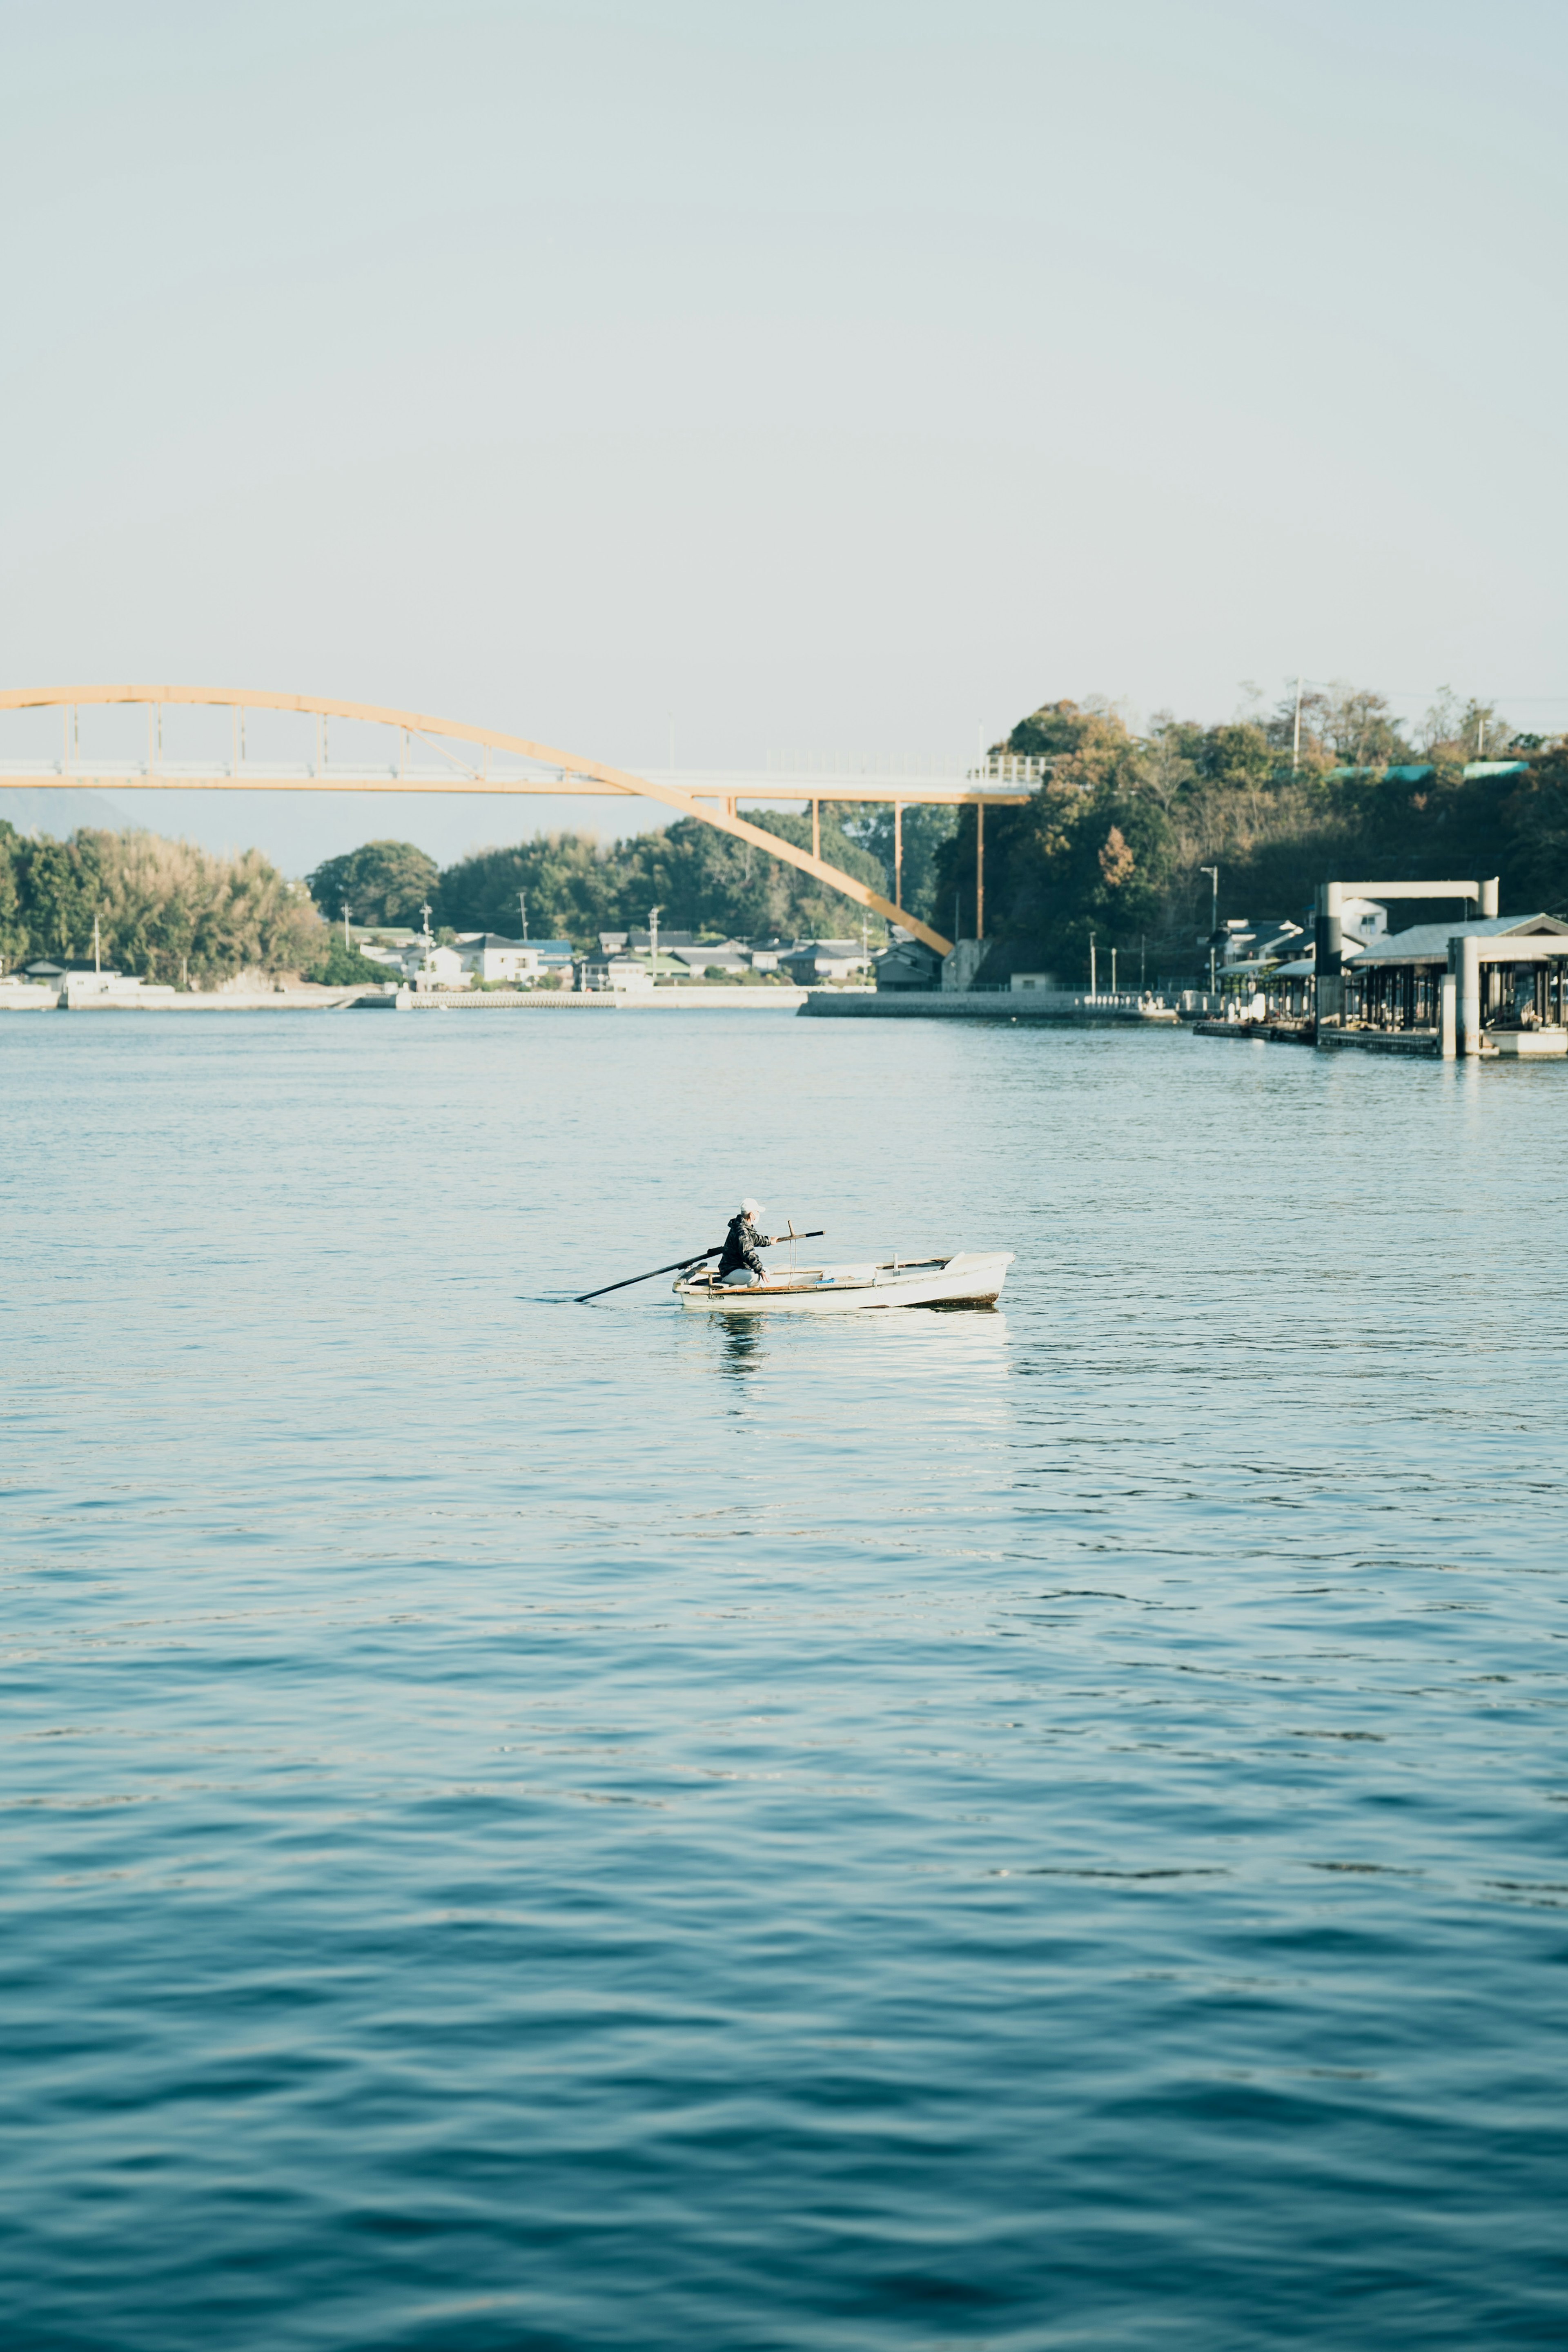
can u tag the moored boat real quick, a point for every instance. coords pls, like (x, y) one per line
(968, 1278)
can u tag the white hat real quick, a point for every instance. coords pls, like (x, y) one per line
(751, 1208)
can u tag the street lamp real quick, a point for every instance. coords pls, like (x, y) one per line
(1213, 874)
(654, 915)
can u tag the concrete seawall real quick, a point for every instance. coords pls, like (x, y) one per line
(1004, 1005)
(359, 999)
(660, 1000)
(288, 1000)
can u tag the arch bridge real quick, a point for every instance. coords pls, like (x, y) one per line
(448, 756)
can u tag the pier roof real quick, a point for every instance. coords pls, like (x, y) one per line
(1428, 942)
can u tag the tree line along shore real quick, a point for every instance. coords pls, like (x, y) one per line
(1112, 842)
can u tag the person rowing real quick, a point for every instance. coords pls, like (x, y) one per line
(739, 1262)
(738, 1255)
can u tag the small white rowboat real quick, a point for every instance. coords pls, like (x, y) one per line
(972, 1278)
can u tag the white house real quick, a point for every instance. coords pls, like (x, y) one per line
(487, 956)
(612, 969)
(426, 967)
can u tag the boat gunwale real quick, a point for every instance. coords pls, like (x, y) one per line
(706, 1288)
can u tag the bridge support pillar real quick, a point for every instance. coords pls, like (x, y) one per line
(979, 869)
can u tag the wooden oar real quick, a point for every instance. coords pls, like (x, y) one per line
(679, 1264)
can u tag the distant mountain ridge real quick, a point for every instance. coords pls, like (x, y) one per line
(34, 809)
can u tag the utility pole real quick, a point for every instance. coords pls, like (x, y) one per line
(1213, 874)
(346, 939)
(523, 910)
(1112, 971)
(654, 915)
(96, 959)
(1092, 978)
(1296, 738)
(1143, 961)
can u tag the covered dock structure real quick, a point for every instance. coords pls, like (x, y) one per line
(1496, 985)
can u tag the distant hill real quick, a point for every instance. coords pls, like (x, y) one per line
(58, 813)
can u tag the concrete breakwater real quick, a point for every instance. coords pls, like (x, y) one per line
(653, 999)
(359, 999)
(171, 1000)
(999, 1004)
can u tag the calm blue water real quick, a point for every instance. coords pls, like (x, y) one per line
(534, 1826)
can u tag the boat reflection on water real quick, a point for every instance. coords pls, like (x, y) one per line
(918, 1342)
(741, 1343)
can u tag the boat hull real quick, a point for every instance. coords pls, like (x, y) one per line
(972, 1278)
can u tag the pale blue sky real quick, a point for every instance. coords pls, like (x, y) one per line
(830, 375)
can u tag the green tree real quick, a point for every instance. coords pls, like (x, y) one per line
(381, 882)
(1057, 728)
(332, 965)
(568, 879)
(61, 892)
(1237, 759)
(164, 905)
(160, 907)
(1535, 830)
(13, 933)
(708, 882)
(1092, 848)
(703, 880)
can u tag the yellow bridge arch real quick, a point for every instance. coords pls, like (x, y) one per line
(553, 770)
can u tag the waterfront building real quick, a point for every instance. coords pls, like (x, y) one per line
(384, 943)
(724, 956)
(489, 957)
(907, 965)
(81, 986)
(641, 942)
(1246, 947)
(612, 967)
(1288, 988)
(426, 966)
(811, 962)
(1517, 991)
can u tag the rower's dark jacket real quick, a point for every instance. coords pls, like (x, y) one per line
(741, 1245)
